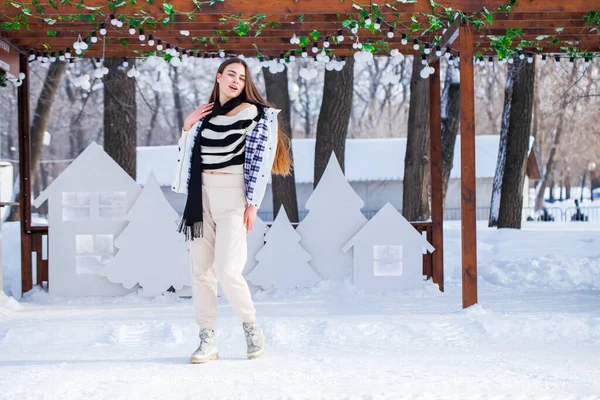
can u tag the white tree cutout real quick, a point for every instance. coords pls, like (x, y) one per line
(334, 217)
(282, 262)
(151, 251)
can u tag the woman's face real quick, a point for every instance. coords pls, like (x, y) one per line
(233, 80)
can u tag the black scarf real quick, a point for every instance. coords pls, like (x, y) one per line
(191, 222)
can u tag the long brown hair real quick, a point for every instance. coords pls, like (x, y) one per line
(283, 160)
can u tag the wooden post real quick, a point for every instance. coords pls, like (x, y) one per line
(467, 169)
(435, 146)
(25, 177)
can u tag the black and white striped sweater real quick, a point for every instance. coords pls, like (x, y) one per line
(224, 141)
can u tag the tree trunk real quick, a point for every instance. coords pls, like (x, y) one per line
(284, 187)
(500, 162)
(120, 116)
(450, 123)
(548, 171)
(177, 97)
(38, 127)
(415, 199)
(568, 184)
(332, 126)
(551, 187)
(517, 147)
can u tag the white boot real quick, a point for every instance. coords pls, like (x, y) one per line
(255, 340)
(207, 350)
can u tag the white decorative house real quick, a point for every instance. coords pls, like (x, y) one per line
(87, 205)
(388, 253)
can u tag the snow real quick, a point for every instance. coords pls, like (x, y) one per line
(383, 157)
(534, 334)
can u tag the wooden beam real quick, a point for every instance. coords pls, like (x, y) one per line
(227, 7)
(448, 39)
(25, 177)
(467, 168)
(435, 153)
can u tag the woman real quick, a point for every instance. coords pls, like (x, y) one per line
(227, 151)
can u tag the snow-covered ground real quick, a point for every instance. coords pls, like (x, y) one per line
(534, 334)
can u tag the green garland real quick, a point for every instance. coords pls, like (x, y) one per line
(505, 46)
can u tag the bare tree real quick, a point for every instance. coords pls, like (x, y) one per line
(120, 116)
(500, 161)
(38, 127)
(450, 123)
(517, 146)
(415, 200)
(332, 126)
(284, 187)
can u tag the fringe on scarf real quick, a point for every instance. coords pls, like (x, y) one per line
(191, 232)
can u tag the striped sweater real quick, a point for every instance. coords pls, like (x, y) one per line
(224, 141)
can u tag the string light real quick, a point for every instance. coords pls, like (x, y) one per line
(404, 40)
(544, 59)
(31, 55)
(150, 40)
(530, 58)
(340, 37)
(557, 61)
(438, 51)
(102, 29)
(390, 34)
(586, 62)
(159, 45)
(94, 38)
(571, 61)
(142, 37)
(131, 30)
(416, 44)
(427, 50)
(377, 25)
(304, 53)
(326, 42)
(315, 49)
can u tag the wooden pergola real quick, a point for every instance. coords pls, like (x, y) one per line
(49, 28)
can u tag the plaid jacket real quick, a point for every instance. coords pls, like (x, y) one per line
(261, 144)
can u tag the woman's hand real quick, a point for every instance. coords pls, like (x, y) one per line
(197, 115)
(250, 217)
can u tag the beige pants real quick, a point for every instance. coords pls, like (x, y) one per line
(220, 254)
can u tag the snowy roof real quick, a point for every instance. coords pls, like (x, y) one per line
(366, 159)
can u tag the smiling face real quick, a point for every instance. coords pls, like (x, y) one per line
(232, 81)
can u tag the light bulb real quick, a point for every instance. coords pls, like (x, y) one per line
(368, 21)
(425, 73)
(21, 76)
(416, 44)
(132, 31)
(304, 54)
(94, 39)
(438, 51)
(354, 30)
(102, 29)
(340, 38)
